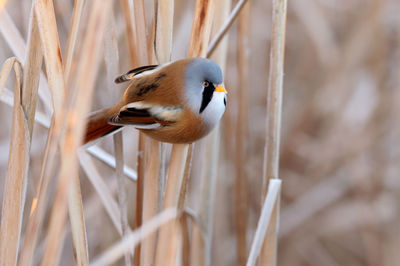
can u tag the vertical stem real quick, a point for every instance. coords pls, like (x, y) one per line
(241, 180)
(201, 248)
(151, 198)
(138, 50)
(79, 103)
(167, 240)
(122, 198)
(77, 221)
(274, 109)
(17, 171)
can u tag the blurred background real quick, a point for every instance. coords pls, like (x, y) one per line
(339, 158)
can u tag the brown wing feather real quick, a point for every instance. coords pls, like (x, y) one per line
(133, 116)
(131, 73)
(165, 86)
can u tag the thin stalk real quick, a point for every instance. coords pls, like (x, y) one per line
(141, 58)
(122, 197)
(163, 27)
(113, 253)
(268, 254)
(224, 29)
(241, 178)
(129, 31)
(265, 217)
(75, 207)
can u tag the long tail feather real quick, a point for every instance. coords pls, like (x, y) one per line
(98, 126)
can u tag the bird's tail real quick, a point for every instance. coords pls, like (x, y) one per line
(97, 125)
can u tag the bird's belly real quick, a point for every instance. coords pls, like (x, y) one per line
(186, 131)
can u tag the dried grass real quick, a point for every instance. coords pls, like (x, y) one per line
(200, 204)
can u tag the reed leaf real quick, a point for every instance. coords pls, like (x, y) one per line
(17, 170)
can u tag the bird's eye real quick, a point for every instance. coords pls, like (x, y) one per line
(206, 84)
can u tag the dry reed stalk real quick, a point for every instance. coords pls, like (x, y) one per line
(271, 200)
(29, 93)
(166, 252)
(139, 191)
(224, 29)
(151, 188)
(80, 100)
(111, 59)
(75, 207)
(109, 160)
(141, 31)
(185, 239)
(241, 153)
(35, 221)
(77, 221)
(167, 239)
(17, 170)
(130, 31)
(164, 18)
(201, 28)
(202, 236)
(163, 25)
(122, 197)
(113, 253)
(102, 190)
(139, 44)
(51, 51)
(72, 37)
(268, 254)
(17, 45)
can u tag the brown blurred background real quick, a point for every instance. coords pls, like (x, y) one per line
(340, 131)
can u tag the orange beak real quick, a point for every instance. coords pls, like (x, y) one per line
(220, 88)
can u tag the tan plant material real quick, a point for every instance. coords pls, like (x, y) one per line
(224, 29)
(162, 46)
(201, 244)
(264, 220)
(80, 100)
(17, 170)
(127, 243)
(17, 44)
(102, 190)
(122, 197)
(241, 152)
(268, 254)
(168, 242)
(77, 220)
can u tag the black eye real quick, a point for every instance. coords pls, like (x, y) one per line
(206, 84)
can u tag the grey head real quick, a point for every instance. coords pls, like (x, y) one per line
(202, 77)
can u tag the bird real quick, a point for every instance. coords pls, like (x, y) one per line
(176, 102)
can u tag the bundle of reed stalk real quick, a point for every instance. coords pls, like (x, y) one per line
(319, 111)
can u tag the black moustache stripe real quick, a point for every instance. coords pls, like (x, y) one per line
(207, 96)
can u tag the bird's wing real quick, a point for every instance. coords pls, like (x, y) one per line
(146, 116)
(133, 72)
